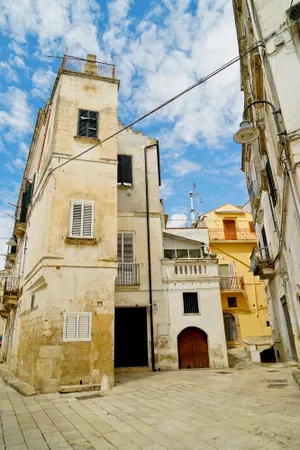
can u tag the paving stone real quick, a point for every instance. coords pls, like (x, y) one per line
(32, 434)
(102, 427)
(53, 438)
(116, 438)
(13, 439)
(37, 444)
(17, 447)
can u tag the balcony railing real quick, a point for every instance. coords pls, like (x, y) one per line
(261, 259)
(190, 269)
(232, 283)
(11, 287)
(89, 66)
(128, 275)
(254, 193)
(216, 234)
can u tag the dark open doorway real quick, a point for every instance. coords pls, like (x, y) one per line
(131, 343)
(268, 356)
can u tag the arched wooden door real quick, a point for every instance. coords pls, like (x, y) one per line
(230, 327)
(192, 348)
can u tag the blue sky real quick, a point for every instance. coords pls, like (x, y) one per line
(159, 48)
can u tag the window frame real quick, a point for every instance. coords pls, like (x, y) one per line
(183, 303)
(122, 246)
(77, 339)
(125, 183)
(88, 119)
(32, 302)
(82, 202)
(236, 303)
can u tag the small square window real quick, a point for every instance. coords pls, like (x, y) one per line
(232, 303)
(169, 254)
(267, 323)
(190, 303)
(77, 327)
(182, 253)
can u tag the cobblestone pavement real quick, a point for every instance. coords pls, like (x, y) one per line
(252, 409)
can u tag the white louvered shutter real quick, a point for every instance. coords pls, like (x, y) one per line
(120, 257)
(128, 248)
(83, 327)
(77, 327)
(70, 327)
(82, 219)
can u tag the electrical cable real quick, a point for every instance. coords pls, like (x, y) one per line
(180, 94)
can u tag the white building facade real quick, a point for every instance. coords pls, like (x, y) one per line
(270, 77)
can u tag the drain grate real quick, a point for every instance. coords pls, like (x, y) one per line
(224, 373)
(278, 380)
(273, 370)
(88, 397)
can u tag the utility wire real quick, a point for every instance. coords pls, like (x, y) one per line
(172, 99)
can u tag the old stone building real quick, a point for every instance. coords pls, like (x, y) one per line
(85, 293)
(270, 137)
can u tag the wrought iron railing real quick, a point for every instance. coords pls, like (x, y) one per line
(239, 234)
(232, 283)
(11, 286)
(89, 66)
(260, 257)
(254, 191)
(128, 274)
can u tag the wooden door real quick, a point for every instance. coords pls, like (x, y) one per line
(192, 349)
(229, 229)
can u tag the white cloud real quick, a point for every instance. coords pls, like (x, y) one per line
(24, 149)
(184, 166)
(167, 188)
(8, 72)
(177, 221)
(42, 81)
(118, 10)
(15, 118)
(18, 62)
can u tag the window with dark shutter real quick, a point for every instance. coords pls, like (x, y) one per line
(190, 303)
(125, 170)
(88, 123)
(272, 187)
(232, 303)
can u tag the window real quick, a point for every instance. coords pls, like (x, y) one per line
(82, 219)
(77, 326)
(226, 270)
(182, 253)
(32, 304)
(87, 123)
(125, 247)
(190, 303)
(125, 170)
(169, 254)
(268, 323)
(232, 303)
(251, 227)
(195, 253)
(272, 187)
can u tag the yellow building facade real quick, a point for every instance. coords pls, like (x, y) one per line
(245, 311)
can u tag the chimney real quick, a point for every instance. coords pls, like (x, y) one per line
(90, 66)
(192, 209)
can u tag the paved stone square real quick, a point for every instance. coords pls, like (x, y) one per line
(252, 409)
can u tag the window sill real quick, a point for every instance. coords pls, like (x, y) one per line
(29, 310)
(191, 314)
(81, 241)
(87, 140)
(125, 186)
(77, 340)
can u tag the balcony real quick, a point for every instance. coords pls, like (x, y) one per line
(262, 263)
(254, 193)
(4, 312)
(128, 275)
(241, 234)
(11, 292)
(12, 253)
(89, 66)
(190, 269)
(232, 284)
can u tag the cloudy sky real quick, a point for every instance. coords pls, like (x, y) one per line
(159, 47)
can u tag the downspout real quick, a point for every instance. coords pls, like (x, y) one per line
(45, 135)
(149, 254)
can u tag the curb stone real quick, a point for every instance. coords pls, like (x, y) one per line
(296, 375)
(21, 386)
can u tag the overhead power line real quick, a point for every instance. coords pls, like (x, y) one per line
(172, 99)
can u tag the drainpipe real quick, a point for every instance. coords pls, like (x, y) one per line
(149, 254)
(45, 135)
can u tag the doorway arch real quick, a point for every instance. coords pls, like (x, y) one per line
(230, 327)
(192, 349)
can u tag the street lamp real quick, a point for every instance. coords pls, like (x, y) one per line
(12, 241)
(247, 132)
